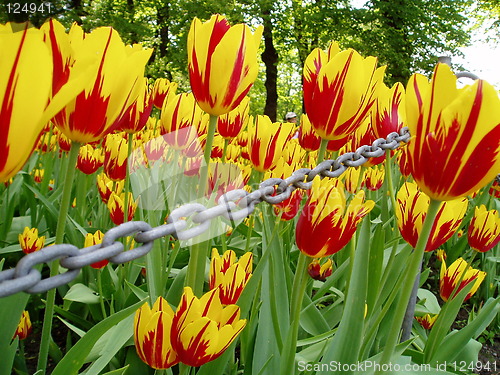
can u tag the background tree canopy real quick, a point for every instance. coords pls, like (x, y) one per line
(406, 35)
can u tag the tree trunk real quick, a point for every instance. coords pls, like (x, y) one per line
(270, 59)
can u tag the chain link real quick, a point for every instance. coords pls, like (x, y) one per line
(233, 205)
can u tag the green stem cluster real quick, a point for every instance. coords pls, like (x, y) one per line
(54, 266)
(412, 270)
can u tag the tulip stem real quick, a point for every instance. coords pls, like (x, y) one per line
(54, 266)
(411, 271)
(298, 291)
(126, 186)
(196, 265)
(388, 177)
(322, 150)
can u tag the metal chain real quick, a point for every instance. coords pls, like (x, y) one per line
(233, 205)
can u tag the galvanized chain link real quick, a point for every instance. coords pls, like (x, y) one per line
(233, 205)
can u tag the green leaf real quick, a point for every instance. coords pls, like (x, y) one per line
(429, 301)
(345, 346)
(449, 349)
(443, 323)
(120, 334)
(75, 358)
(11, 309)
(82, 293)
(119, 371)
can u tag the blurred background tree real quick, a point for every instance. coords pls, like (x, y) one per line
(407, 35)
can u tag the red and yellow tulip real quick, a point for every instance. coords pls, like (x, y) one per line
(113, 71)
(484, 229)
(267, 141)
(411, 212)
(152, 327)
(116, 157)
(222, 63)
(450, 276)
(374, 177)
(230, 124)
(229, 275)
(106, 186)
(181, 121)
(134, 118)
(327, 223)
(29, 240)
(339, 90)
(90, 159)
(92, 239)
(116, 205)
(320, 271)
(202, 328)
(24, 327)
(426, 321)
(389, 112)
(26, 100)
(162, 89)
(308, 139)
(455, 145)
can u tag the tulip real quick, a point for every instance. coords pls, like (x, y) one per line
(134, 118)
(116, 205)
(484, 229)
(326, 223)
(230, 124)
(426, 321)
(113, 71)
(90, 159)
(95, 239)
(374, 177)
(267, 141)
(364, 135)
(450, 277)
(308, 139)
(202, 329)
(106, 186)
(180, 120)
(441, 255)
(389, 113)
(352, 179)
(162, 89)
(38, 175)
(339, 90)
(222, 63)
(152, 329)
(229, 275)
(116, 157)
(24, 327)
(455, 145)
(26, 103)
(225, 177)
(29, 240)
(495, 189)
(411, 211)
(320, 271)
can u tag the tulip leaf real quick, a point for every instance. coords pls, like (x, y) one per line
(345, 345)
(311, 319)
(82, 293)
(119, 371)
(429, 300)
(443, 323)
(450, 347)
(11, 308)
(120, 334)
(74, 359)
